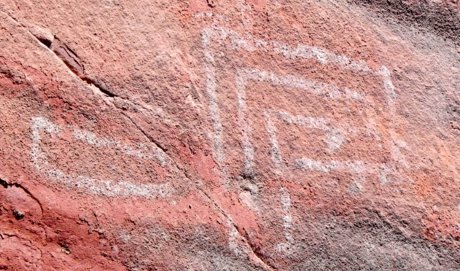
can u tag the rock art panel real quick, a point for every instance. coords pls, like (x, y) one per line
(238, 135)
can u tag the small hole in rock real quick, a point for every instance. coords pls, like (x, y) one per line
(18, 214)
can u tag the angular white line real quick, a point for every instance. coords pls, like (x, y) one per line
(285, 198)
(108, 188)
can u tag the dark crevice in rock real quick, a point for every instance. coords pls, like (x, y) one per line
(256, 250)
(215, 204)
(75, 65)
(248, 175)
(9, 235)
(7, 185)
(68, 56)
(44, 41)
(100, 86)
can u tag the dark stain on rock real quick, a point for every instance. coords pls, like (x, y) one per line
(441, 18)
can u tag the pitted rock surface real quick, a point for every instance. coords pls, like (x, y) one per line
(229, 135)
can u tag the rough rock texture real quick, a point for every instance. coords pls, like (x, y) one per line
(229, 135)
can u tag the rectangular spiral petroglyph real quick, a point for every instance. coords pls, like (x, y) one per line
(335, 134)
(299, 138)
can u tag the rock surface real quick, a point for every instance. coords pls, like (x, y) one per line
(229, 135)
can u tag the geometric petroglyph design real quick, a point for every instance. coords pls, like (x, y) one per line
(105, 187)
(218, 41)
(335, 135)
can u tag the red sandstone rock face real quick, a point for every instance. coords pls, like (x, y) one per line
(238, 135)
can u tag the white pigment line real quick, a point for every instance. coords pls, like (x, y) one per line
(139, 152)
(39, 159)
(302, 51)
(353, 166)
(248, 148)
(94, 186)
(220, 35)
(285, 199)
(232, 237)
(217, 34)
(391, 95)
(309, 122)
(334, 140)
(243, 75)
(334, 137)
(274, 147)
(293, 81)
(287, 219)
(211, 90)
(321, 55)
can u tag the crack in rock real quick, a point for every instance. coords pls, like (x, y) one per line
(179, 168)
(249, 245)
(74, 64)
(68, 56)
(7, 185)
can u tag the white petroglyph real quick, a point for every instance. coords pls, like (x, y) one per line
(334, 140)
(233, 237)
(110, 188)
(321, 55)
(309, 122)
(391, 96)
(248, 148)
(297, 82)
(301, 51)
(218, 35)
(334, 137)
(387, 83)
(140, 151)
(274, 146)
(353, 166)
(211, 90)
(287, 221)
